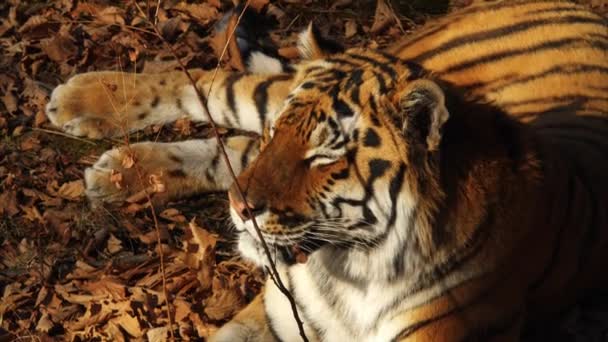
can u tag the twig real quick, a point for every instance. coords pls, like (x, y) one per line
(203, 101)
(64, 135)
(122, 125)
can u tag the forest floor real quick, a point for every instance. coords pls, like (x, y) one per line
(71, 273)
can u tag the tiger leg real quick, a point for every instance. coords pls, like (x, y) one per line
(105, 104)
(250, 324)
(166, 170)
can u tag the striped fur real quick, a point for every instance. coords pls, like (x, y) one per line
(450, 188)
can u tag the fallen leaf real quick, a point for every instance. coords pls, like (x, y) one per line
(30, 143)
(59, 48)
(383, 17)
(156, 180)
(116, 179)
(8, 203)
(128, 161)
(350, 28)
(71, 190)
(114, 245)
(111, 15)
(44, 324)
(202, 12)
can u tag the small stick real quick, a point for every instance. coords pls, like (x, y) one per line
(203, 100)
(63, 135)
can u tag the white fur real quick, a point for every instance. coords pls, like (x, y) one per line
(261, 63)
(363, 316)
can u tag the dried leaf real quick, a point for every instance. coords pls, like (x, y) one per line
(8, 203)
(201, 12)
(219, 41)
(116, 179)
(350, 28)
(44, 324)
(114, 245)
(383, 18)
(156, 180)
(128, 161)
(59, 48)
(111, 15)
(71, 190)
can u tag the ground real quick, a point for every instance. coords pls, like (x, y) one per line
(70, 272)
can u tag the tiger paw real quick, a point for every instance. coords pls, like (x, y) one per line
(105, 104)
(87, 106)
(135, 174)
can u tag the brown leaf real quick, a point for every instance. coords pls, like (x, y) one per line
(114, 245)
(173, 215)
(116, 179)
(44, 323)
(36, 27)
(7, 85)
(258, 5)
(350, 28)
(219, 42)
(383, 18)
(8, 203)
(224, 302)
(159, 334)
(111, 15)
(156, 180)
(200, 252)
(71, 190)
(128, 161)
(59, 48)
(202, 12)
(30, 143)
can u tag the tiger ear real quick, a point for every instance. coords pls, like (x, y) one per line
(312, 45)
(421, 107)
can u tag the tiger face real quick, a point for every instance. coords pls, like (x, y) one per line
(338, 156)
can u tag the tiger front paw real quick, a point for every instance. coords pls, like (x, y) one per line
(105, 104)
(87, 106)
(135, 174)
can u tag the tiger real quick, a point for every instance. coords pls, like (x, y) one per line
(449, 187)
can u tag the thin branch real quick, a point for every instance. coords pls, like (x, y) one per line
(65, 135)
(125, 134)
(203, 101)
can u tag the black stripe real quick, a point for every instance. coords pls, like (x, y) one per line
(552, 99)
(260, 96)
(463, 15)
(566, 69)
(413, 328)
(245, 155)
(382, 65)
(393, 191)
(557, 44)
(557, 10)
(353, 84)
(230, 98)
(502, 32)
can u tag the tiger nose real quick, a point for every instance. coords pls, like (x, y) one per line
(240, 206)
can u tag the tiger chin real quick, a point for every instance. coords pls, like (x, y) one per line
(452, 187)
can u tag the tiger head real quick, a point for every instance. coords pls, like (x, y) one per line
(350, 169)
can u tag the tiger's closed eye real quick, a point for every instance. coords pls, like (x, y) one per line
(321, 160)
